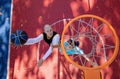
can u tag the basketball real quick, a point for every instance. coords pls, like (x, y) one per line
(19, 37)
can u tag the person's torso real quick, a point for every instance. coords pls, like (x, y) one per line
(48, 40)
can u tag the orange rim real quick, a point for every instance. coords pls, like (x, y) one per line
(110, 27)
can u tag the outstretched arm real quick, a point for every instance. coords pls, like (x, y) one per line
(55, 41)
(34, 40)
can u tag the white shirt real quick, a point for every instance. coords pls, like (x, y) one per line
(55, 41)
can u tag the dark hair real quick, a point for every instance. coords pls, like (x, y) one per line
(76, 43)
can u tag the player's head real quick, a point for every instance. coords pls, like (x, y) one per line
(48, 30)
(72, 42)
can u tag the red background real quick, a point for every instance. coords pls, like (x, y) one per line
(31, 15)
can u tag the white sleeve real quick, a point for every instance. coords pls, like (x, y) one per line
(34, 40)
(56, 39)
(47, 53)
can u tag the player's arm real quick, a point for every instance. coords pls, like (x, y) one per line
(34, 40)
(55, 42)
(56, 46)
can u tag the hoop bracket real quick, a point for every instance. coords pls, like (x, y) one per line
(92, 74)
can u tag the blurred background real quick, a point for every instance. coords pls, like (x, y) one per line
(5, 12)
(31, 15)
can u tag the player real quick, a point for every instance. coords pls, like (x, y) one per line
(50, 37)
(72, 47)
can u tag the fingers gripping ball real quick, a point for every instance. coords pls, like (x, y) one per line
(19, 37)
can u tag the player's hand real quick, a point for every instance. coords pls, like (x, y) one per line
(40, 62)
